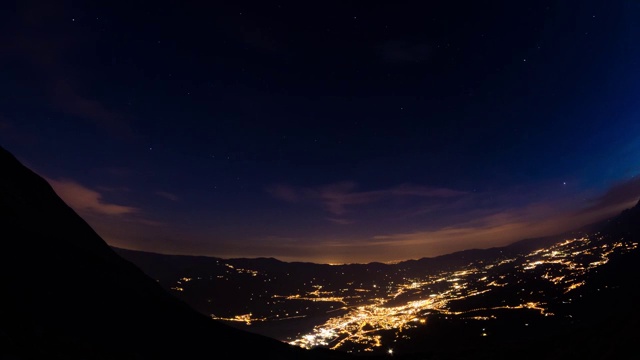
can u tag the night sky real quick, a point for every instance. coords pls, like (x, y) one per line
(326, 131)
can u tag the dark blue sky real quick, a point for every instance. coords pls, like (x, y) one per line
(326, 132)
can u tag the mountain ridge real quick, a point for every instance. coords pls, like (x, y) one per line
(518, 245)
(66, 291)
(68, 295)
(597, 279)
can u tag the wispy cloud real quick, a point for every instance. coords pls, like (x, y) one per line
(481, 223)
(340, 221)
(67, 98)
(86, 200)
(285, 193)
(497, 229)
(168, 195)
(48, 53)
(622, 194)
(502, 227)
(338, 198)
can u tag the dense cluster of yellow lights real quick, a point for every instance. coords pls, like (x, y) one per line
(361, 325)
(364, 310)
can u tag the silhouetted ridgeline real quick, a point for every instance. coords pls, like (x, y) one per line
(67, 295)
(597, 319)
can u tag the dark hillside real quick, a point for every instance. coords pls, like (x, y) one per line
(67, 295)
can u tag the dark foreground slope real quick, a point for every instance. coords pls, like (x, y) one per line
(67, 295)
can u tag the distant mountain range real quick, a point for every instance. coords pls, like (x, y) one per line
(557, 292)
(67, 295)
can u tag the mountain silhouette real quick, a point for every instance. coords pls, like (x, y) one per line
(598, 320)
(67, 295)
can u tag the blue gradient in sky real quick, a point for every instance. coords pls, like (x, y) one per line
(346, 132)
